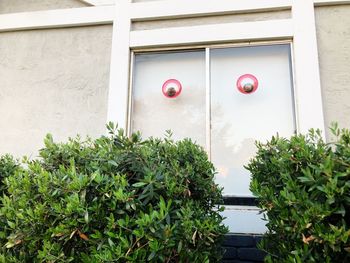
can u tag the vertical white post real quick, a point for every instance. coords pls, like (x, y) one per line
(208, 103)
(307, 76)
(119, 70)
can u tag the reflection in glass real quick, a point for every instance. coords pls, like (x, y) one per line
(238, 119)
(152, 112)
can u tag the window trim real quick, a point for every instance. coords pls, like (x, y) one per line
(206, 49)
(231, 200)
(300, 29)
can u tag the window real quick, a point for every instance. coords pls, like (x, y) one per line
(215, 113)
(237, 119)
(152, 112)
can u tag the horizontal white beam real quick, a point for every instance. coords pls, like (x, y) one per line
(330, 2)
(98, 2)
(184, 8)
(219, 5)
(273, 29)
(57, 18)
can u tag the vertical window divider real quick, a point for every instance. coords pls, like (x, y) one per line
(130, 94)
(294, 91)
(208, 102)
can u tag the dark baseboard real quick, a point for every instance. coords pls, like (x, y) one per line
(242, 248)
(247, 201)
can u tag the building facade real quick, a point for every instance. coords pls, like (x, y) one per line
(242, 70)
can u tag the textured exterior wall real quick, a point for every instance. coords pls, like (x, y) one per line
(211, 20)
(14, 6)
(52, 81)
(333, 35)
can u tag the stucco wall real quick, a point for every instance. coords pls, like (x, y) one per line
(333, 35)
(14, 6)
(217, 19)
(52, 81)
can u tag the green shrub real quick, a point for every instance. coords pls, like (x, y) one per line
(302, 184)
(114, 199)
(8, 165)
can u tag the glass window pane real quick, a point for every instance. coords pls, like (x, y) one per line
(239, 119)
(153, 113)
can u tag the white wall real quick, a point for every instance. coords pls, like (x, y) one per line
(333, 35)
(13, 6)
(55, 81)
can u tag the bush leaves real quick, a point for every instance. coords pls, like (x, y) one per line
(302, 184)
(113, 199)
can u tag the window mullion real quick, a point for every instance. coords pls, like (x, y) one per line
(208, 102)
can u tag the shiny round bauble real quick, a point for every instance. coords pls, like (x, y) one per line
(247, 84)
(171, 88)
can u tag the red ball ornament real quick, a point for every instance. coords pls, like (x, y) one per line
(171, 88)
(247, 84)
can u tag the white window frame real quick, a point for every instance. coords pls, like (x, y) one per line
(207, 49)
(300, 29)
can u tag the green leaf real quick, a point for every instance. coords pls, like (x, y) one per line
(86, 217)
(11, 224)
(151, 256)
(341, 211)
(9, 244)
(110, 242)
(179, 247)
(139, 184)
(112, 162)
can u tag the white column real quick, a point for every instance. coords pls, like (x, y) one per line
(119, 70)
(306, 68)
